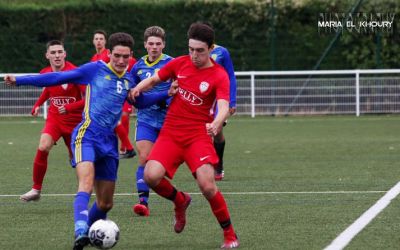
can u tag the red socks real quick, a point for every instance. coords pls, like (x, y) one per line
(220, 210)
(39, 169)
(166, 190)
(125, 122)
(123, 136)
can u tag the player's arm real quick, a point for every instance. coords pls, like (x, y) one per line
(81, 75)
(71, 107)
(147, 99)
(223, 112)
(228, 65)
(144, 85)
(39, 102)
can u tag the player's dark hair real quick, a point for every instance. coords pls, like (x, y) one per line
(202, 32)
(53, 42)
(156, 31)
(103, 32)
(121, 38)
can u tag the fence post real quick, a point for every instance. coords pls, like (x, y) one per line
(357, 92)
(253, 95)
(45, 110)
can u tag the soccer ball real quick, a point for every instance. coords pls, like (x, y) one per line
(104, 234)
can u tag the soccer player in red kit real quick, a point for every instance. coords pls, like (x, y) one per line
(186, 135)
(122, 129)
(65, 112)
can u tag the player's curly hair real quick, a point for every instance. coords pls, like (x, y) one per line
(120, 38)
(202, 32)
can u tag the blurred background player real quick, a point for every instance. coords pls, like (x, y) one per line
(122, 129)
(188, 127)
(65, 112)
(221, 56)
(149, 120)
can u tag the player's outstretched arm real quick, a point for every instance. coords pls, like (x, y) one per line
(144, 85)
(9, 80)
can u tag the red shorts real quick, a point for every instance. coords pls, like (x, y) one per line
(171, 152)
(127, 108)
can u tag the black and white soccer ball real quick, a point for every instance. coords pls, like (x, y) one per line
(104, 234)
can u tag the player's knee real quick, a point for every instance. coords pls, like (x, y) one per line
(105, 206)
(208, 189)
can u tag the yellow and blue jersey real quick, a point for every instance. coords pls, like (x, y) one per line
(155, 114)
(221, 56)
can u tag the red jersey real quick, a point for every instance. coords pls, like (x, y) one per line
(69, 95)
(197, 92)
(104, 56)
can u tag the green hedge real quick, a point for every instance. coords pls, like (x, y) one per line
(289, 41)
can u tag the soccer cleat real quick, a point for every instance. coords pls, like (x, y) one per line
(32, 195)
(128, 154)
(230, 240)
(141, 209)
(81, 241)
(219, 176)
(180, 214)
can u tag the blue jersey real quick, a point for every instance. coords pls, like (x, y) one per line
(155, 114)
(105, 94)
(222, 57)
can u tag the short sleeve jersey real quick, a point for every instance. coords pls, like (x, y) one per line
(64, 94)
(197, 92)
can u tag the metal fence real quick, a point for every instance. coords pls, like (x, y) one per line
(280, 93)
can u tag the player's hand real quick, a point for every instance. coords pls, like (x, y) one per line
(232, 110)
(62, 110)
(212, 128)
(35, 111)
(9, 80)
(174, 88)
(133, 93)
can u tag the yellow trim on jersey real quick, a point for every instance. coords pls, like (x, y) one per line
(82, 129)
(118, 75)
(153, 63)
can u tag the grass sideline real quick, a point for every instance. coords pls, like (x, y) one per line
(284, 183)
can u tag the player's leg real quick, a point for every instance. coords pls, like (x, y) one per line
(105, 176)
(50, 134)
(201, 157)
(206, 183)
(146, 135)
(219, 145)
(85, 173)
(126, 144)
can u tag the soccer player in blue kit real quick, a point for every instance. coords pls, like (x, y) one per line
(94, 144)
(151, 119)
(221, 56)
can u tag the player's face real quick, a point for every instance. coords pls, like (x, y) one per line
(119, 58)
(56, 56)
(199, 53)
(99, 41)
(154, 46)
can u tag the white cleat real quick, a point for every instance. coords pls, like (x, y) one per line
(32, 195)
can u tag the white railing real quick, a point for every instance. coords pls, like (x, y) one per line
(318, 92)
(279, 93)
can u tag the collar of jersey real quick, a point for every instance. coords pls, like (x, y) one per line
(153, 63)
(119, 75)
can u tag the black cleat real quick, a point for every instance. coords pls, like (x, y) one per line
(128, 154)
(81, 241)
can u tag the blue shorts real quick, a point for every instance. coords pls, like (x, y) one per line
(91, 142)
(146, 132)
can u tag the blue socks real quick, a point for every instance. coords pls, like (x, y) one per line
(96, 214)
(142, 188)
(81, 213)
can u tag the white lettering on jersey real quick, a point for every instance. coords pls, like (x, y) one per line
(190, 97)
(60, 101)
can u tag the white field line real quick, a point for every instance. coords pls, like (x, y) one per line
(225, 193)
(347, 235)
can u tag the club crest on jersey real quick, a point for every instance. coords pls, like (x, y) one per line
(204, 86)
(214, 56)
(126, 84)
